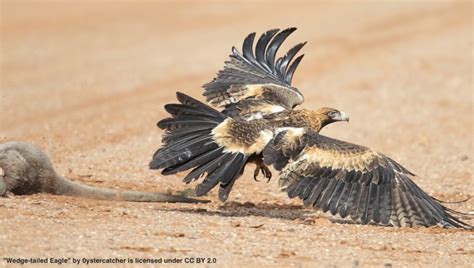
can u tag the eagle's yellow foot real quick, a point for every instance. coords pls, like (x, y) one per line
(265, 171)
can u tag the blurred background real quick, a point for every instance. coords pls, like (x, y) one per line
(87, 80)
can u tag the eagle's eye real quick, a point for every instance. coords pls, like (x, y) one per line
(332, 113)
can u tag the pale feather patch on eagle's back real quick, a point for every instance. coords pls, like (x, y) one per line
(241, 137)
(277, 94)
(259, 110)
(235, 94)
(292, 132)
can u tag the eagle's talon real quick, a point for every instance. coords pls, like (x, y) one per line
(265, 171)
(256, 173)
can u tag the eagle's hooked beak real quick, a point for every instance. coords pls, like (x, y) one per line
(342, 116)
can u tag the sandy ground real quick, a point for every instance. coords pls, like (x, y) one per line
(87, 83)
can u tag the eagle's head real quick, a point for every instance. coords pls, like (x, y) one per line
(332, 115)
(325, 115)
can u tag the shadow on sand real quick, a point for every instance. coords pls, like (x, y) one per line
(238, 209)
(296, 213)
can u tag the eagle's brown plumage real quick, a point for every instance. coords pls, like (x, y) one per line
(259, 125)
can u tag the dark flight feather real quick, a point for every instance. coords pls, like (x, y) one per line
(247, 49)
(198, 160)
(282, 65)
(262, 47)
(337, 207)
(185, 134)
(291, 70)
(232, 174)
(173, 123)
(274, 46)
(200, 170)
(180, 110)
(214, 176)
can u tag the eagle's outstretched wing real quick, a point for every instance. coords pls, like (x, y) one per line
(257, 81)
(351, 180)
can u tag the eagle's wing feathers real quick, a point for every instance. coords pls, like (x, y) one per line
(351, 180)
(259, 75)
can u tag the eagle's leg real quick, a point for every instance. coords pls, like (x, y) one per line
(261, 167)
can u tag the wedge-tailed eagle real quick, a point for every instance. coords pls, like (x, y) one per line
(258, 123)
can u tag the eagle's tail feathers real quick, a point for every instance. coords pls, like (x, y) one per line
(188, 144)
